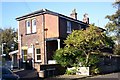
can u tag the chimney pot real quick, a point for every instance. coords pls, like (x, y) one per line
(86, 18)
(74, 14)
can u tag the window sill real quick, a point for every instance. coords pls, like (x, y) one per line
(31, 33)
(68, 32)
(38, 61)
(24, 61)
(34, 33)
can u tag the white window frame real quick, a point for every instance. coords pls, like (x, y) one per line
(37, 55)
(69, 27)
(28, 28)
(33, 25)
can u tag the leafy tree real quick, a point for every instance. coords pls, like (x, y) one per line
(117, 49)
(67, 56)
(8, 36)
(82, 46)
(113, 26)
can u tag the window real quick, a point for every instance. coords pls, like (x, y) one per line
(24, 55)
(68, 27)
(33, 25)
(28, 27)
(38, 55)
(79, 26)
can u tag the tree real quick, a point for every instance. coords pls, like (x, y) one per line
(113, 26)
(67, 56)
(82, 46)
(8, 36)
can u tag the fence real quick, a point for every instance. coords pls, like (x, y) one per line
(109, 64)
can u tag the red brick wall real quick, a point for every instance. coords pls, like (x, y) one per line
(51, 23)
(56, 27)
(63, 27)
(28, 39)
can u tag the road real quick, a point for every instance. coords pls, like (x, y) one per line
(112, 76)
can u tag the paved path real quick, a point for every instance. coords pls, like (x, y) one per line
(66, 77)
(33, 75)
(27, 74)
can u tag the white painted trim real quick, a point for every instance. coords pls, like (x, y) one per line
(34, 29)
(58, 40)
(28, 27)
(69, 32)
(13, 52)
(19, 40)
(69, 26)
(38, 60)
(36, 56)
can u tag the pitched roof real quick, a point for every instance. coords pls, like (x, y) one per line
(46, 11)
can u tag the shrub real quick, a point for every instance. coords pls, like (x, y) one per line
(71, 71)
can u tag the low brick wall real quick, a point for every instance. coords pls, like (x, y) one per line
(51, 69)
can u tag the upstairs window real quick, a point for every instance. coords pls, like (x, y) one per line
(33, 25)
(28, 27)
(79, 27)
(68, 27)
(38, 55)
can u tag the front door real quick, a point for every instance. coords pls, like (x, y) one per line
(15, 64)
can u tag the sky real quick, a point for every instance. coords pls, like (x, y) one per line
(96, 11)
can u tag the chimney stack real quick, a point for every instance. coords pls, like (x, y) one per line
(73, 14)
(86, 18)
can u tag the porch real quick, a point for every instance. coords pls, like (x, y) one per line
(14, 56)
(52, 44)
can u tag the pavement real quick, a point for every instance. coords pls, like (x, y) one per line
(27, 74)
(67, 77)
(33, 75)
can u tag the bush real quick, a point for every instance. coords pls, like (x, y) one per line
(95, 70)
(117, 49)
(93, 60)
(71, 72)
(67, 57)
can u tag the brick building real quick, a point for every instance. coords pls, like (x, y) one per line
(42, 32)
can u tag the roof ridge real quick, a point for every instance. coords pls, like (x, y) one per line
(43, 11)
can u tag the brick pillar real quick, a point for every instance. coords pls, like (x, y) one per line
(43, 42)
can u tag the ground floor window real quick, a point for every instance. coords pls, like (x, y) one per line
(24, 55)
(38, 55)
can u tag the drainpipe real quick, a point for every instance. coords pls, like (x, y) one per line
(44, 41)
(19, 41)
(33, 55)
